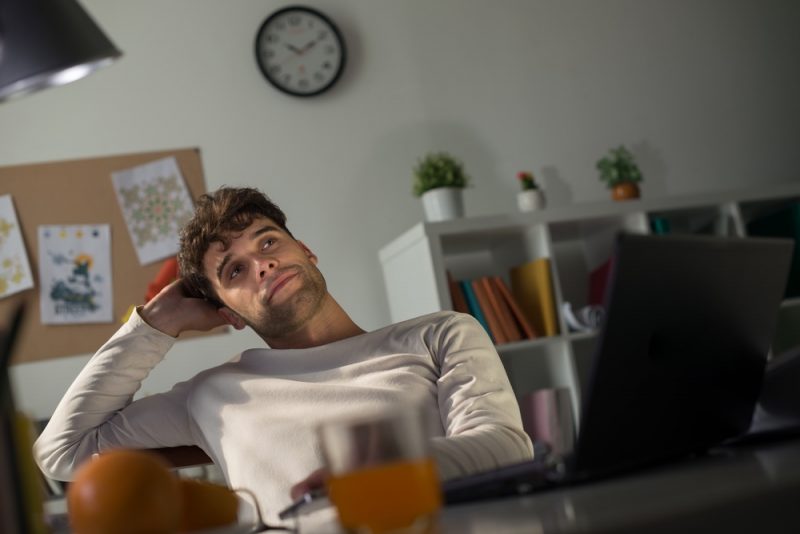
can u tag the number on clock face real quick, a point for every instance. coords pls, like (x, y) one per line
(300, 51)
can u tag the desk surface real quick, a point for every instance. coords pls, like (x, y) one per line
(748, 488)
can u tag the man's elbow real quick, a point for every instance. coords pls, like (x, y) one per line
(520, 447)
(54, 462)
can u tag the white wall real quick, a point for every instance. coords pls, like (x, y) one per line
(703, 91)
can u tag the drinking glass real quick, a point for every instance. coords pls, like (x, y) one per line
(382, 475)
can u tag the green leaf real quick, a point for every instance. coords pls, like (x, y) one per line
(438, 169)
(618, 167)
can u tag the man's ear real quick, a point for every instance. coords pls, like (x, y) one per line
(311, 255)
(232, 318)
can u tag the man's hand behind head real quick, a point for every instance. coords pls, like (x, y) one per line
(173, 311)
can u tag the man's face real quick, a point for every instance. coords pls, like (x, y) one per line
(269, 280)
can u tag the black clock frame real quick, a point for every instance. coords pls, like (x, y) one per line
(325, 19)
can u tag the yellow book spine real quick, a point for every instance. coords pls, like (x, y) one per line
(532, 285)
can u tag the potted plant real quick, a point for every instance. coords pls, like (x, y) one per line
(439, 179)
(531, 197)
(620, 173)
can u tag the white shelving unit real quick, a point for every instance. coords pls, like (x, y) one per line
(577, 239)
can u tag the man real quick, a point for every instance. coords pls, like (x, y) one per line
(255, 415)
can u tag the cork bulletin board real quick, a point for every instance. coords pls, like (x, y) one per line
(81, 192)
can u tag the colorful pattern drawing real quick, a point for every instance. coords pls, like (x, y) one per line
(75, 272)
(15, 270)
(155, 204)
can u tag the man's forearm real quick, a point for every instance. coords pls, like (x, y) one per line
(479, 450)
(106, 385)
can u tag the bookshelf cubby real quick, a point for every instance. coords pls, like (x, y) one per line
(578, 239)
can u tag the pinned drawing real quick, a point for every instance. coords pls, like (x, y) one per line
(155, 203)
(15, 270)
(75, 273)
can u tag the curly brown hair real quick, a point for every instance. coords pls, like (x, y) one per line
(218, 216)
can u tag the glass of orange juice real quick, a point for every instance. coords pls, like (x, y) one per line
(382, 475)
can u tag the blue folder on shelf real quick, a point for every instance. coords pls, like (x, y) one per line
(474, 306)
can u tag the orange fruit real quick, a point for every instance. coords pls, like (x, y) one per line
(207, 505)
(124, 492)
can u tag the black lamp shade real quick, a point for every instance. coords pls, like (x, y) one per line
(48, 42)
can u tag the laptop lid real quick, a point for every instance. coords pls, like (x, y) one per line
(681, 356)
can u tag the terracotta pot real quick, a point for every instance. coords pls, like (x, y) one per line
(625, 191)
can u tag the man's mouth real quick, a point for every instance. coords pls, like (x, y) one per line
(279, 283)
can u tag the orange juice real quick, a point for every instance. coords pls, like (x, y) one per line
(386, 497)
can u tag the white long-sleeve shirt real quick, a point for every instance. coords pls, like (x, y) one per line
(255, 415)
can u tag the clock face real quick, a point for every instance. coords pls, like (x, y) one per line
(300, 51)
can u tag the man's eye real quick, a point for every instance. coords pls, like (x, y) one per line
(268, 243)
(235, 271)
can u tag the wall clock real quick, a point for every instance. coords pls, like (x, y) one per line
(300, 51)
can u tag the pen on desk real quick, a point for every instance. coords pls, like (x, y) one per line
(305, 499)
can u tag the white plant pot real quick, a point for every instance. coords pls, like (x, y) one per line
(443, 203)
(530, 200)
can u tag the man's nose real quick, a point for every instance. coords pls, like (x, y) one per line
(265, 266)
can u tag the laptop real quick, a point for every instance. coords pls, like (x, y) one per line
(678, 365)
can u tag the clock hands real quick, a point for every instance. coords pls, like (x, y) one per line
(294, 49)
(309, 46)
(301, 51)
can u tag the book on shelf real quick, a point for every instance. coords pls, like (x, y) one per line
(489, 311)
(659, 225)
(457, 295)
(598, 282)
(474, 306)
(532, 286)
(510, 303)
(508, 325)
(489, 300)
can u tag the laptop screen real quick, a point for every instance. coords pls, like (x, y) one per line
(681, 356)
